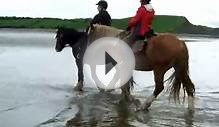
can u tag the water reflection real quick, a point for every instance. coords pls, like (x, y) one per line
(101, 109)
(26, 65)
(106, 109)
(189, 118)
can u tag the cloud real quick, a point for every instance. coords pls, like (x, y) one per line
(197, 11)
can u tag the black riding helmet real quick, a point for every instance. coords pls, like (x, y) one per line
(103, 4)
(145, 1)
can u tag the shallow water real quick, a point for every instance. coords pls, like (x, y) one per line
(36, 88)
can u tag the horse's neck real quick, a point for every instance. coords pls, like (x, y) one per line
(76, 39)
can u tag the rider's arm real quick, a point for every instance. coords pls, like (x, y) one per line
(96, 19)
(137, 18)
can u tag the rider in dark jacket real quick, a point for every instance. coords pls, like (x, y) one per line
(103, 17)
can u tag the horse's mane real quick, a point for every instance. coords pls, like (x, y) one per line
(70, 32)
(105, 30)
(108, 31)
(71, 35)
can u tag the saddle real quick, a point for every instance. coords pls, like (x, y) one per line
(145, 39)
(151, 34)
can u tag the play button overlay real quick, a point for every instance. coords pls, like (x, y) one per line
(111, 62)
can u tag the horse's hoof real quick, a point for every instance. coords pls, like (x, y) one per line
(77, 89)
(131, 98)
(73, 122)
(191, 105)
(101, 90)
(138, 108)
(127, 98)
(143, 107)
(109, 91)
(79, 86)
(137, 103)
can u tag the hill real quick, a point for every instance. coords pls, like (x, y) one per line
(162, 23)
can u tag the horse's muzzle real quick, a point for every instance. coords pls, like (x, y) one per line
(58, 50)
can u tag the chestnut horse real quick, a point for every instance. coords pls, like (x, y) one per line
(163, 52)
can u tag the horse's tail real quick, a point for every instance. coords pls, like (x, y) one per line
(181, 76)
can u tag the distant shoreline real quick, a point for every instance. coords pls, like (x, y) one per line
(197, 35)
(28, 29)
(54, 31)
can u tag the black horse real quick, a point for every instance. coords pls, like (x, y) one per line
(78, 42)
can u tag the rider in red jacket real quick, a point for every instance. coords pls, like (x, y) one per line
(141, 23)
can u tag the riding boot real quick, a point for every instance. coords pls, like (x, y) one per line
(144, 47)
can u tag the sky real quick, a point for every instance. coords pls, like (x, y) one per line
(198, 12)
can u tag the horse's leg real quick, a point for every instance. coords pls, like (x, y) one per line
(182, 77)
(113, 82)
(80, 84)
(125, 88)
(158, 77)
(96, 79)
(189, 86)
(186, 81)
(126, 95)
(79, 63)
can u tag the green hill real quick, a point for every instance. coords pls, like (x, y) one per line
(47, 23)
(162, 23)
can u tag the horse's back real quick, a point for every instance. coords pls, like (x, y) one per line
(164, 48)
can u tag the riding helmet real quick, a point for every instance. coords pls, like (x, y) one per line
(103, 4)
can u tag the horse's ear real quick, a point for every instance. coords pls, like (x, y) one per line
(59, 31)
(59, 28)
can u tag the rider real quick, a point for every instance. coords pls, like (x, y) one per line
(103, 17)
(141, 24)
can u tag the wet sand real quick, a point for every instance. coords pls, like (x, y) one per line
(36, 88)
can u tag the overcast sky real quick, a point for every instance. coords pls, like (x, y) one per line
(200, 12)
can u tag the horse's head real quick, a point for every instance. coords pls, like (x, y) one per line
(60, 43)
(69, 37)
